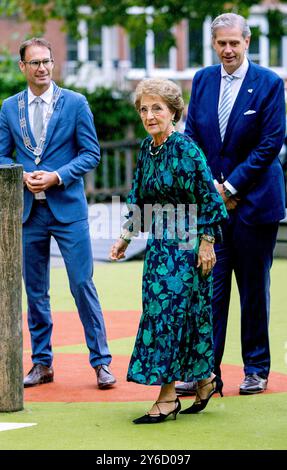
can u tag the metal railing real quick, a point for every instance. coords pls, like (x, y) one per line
(114, 174)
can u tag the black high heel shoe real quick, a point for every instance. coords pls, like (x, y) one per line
(201, 403)
(153, 419)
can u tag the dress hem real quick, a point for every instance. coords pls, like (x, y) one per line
(182, 379)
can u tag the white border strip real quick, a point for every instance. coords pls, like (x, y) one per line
(11, 426)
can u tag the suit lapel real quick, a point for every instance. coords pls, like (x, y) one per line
(243, 98)
(213, 98)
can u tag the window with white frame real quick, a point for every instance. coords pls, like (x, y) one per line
(92, 45)
(195, 44)
(138, 56)
(275, 53)
(72, 49)
(161, 53)
(277, 21)
(95, 46)
(254, 46)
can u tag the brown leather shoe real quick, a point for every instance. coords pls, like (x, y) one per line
(39, 374)
(105, 378)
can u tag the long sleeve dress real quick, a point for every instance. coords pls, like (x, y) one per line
(174, 339)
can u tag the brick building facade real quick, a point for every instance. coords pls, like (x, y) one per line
(112, 61)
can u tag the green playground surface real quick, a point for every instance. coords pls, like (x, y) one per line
(234, 422)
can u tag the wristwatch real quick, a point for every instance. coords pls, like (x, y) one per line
(227, 192)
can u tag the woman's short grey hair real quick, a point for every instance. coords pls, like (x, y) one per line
(230, 20)
(166, 89)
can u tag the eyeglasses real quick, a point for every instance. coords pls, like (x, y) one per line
(35, 64)
(155, 109)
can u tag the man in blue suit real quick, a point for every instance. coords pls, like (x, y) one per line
(237, 116)
(52, 133)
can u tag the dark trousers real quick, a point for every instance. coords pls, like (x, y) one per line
(248, 251)
(74, 242)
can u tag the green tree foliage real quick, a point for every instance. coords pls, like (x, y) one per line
(166, 13)
(114, 113)
(11, 79)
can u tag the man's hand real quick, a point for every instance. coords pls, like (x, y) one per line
(40, 181)
(26, 175)
(230, 202)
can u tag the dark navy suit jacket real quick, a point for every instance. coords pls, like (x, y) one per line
(248, 156)
(71, 149)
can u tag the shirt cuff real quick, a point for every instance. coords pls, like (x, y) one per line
(59, 177)
(230, 188)
(127, 234)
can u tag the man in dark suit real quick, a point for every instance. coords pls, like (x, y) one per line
(52, 133)
(237, 116)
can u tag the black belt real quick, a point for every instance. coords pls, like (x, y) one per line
(42, 202)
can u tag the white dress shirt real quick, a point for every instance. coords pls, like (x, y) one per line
(47, 98)
(239, 75)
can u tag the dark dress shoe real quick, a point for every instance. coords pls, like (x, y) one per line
(104, 376)
(253, 383)
(186, 389)
(160, 417)
(201, 403)
(38, 375)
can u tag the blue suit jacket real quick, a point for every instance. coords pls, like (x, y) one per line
(248, 156)
(71, 149)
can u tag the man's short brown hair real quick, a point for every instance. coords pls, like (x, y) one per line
(34, 42)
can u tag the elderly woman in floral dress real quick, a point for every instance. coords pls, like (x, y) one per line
(174, 339)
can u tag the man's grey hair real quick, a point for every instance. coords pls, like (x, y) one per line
(230, 20)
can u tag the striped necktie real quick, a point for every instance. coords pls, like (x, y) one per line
(225, 106)
(38, 123)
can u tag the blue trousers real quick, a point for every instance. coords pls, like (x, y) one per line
(247, 251)
(75, 245)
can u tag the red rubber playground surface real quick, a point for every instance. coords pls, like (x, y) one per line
(75, 380)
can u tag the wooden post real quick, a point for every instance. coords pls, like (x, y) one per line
(11, 342)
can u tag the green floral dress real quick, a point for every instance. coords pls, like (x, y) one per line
(174, 339)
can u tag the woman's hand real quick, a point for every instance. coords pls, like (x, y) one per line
(206, 257)
(118, 250)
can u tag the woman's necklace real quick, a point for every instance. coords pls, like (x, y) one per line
(158, 149)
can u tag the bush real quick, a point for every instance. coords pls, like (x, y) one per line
(11, 79)
(114, 113)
